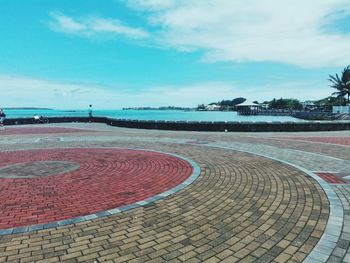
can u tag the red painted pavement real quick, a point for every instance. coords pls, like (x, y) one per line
(331, 140)
(39, 130)
(107, 178)
(331, 178)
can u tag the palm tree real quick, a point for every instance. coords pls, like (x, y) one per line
(346, 80)
(342, 85)
(337, 84)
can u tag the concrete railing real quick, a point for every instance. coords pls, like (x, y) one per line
(322, 116)
(200, 125)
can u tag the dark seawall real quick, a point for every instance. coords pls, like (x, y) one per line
(200, 126)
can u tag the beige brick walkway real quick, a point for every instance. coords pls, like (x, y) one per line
(241, 208)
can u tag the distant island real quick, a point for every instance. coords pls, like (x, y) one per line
(289, 104)
(160, 108)
(26, 108)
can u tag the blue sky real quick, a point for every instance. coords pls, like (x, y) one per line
(113, 54)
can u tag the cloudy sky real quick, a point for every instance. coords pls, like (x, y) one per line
(121, 53)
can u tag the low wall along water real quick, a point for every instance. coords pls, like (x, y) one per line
(200, 126)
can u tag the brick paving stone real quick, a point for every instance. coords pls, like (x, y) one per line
(102, 182)
(332, 178)
(242, 207)
(342, 248)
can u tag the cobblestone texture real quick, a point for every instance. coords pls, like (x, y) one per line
(342, 251)
(106, 179)
(242, 207)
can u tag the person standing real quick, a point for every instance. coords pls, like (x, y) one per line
(2, 117)
(90, 113)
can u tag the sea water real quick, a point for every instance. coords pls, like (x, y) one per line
(166, 115)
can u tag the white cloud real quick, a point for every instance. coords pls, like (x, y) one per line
(19, 91)
(151, 4)
(91, 26)
(290, 31)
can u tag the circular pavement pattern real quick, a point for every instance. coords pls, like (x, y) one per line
(81, 182)
(241, 208)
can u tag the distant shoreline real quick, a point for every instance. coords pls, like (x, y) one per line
(160, 108)
(26, 108)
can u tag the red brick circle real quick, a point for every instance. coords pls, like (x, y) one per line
(106, 179)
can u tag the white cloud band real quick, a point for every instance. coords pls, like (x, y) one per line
(290, 31)
(58, 95)
(91, 26)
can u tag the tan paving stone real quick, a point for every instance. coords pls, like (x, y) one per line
(31, 259)
(49, 260)
(17, 256)
(16, 247)
(71, 255)
(212, 260)
(88, 258)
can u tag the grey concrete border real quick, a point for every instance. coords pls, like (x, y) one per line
(195, 174)
(48, 139)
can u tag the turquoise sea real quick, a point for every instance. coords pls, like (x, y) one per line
(169, 115)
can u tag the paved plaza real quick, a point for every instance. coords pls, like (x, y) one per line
(86, 192)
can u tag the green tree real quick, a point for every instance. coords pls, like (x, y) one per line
(201, 107)
(281, 103)
(341, 84)
(346, 80)
(229, 104)
(238, 100)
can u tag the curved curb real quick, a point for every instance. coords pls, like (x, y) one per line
(195, 174)
(328, 241)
